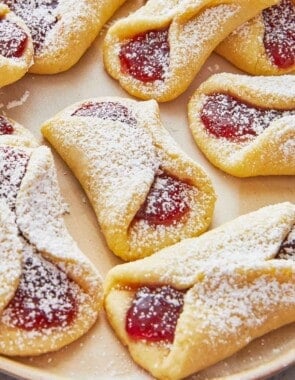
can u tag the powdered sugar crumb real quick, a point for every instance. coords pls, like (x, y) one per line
(18, 102)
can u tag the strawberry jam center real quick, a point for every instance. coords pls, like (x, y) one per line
(5, 127)
(13, 166)
(167, 201)
(106, 110)
(146, 56)
(44, 299)
(279, 36)
(225, 116)
(154, 313)
(38, 15)
(13, 39)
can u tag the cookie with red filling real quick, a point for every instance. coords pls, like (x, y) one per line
(156, 52)
(202, 300)
(62, 30)
(246, 125)
(146, 192)
(16, 47)
(50, 292)
(265, 45)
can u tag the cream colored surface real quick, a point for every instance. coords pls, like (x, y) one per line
(84, 142)
(194, 32)
(99, 354)
(12, 69)
(272, 152)
(245, 49)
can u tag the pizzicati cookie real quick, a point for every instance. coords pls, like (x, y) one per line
(200, 301)
(156, 52)
(246, 125)
(265, 45)
(16, 47)
(50, 292)
(62, 30)
(146, 192)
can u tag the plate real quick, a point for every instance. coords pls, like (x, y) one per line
(99, 355)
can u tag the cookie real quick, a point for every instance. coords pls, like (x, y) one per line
(157, 51)
(16, 47)
(54, 293)
(200, 301)
(265, 45)
(146, 192)
(246, 125)
(62, 30)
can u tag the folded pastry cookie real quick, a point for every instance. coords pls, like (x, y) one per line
(202, 300)
(156, 51)
(146, 192)
(52, 292)
(246, 125)
(62, 30)
(265, 45)
(16, 47)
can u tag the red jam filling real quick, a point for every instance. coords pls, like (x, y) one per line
(44, 298)
(154, 313)
(13, 39)
(13, 166)
(146, 56)
(287, 248)
(106, 110)
(5, 127)
(279, 35)
(167, 201)
(38, 16)
(226, 116)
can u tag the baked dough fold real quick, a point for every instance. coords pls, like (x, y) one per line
(269, 150)
(116, 153)
(12, 68)
(195, 28)
(245, 47)
(235, 289)
(62, 30)
(35, 238)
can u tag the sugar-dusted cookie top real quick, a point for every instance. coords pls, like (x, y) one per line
(246, 125)
(52, 295)
(200, 301)
(265, 45)
(62, 30)
(16, 47)
(146, 192)
(156, 52)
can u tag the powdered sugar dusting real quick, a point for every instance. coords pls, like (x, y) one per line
(121, 160)
(279, 35)
(198, 31)
(10, 268)
(227, 303)
(13, 164)
(45, 298)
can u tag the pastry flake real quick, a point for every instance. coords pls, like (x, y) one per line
(16, 47)
(264, 45)
(57, 291)
(62, 30)
(157, 51)
(202, 300)
(246, 125)
(146, 192)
